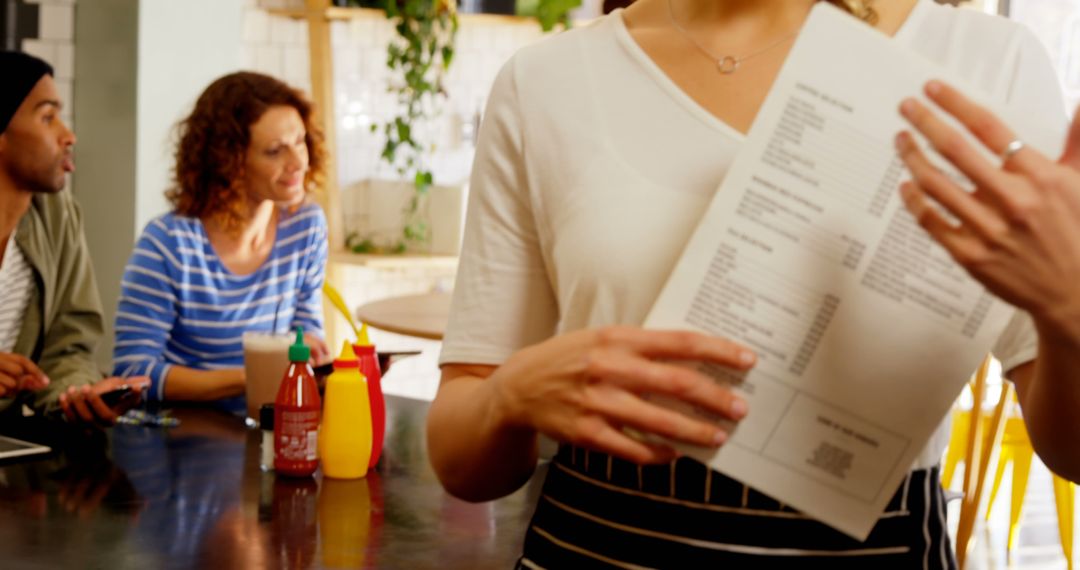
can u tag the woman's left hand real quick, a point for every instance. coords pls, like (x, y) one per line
(320, 353)
(1019, 230)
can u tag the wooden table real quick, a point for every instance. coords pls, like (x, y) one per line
(421, 316)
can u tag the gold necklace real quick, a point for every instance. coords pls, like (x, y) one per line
(727, 64)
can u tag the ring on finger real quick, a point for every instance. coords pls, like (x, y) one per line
(1011, 149)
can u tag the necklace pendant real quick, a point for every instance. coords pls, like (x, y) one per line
(727, 65)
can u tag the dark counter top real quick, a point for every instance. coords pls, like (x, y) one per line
(194, 497)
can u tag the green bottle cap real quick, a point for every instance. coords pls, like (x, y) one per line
(299, 352)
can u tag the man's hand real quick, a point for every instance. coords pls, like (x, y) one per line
(18, 373)
(83, 404)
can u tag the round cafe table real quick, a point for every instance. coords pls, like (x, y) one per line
(421, 316)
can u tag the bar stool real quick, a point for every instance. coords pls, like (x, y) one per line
(1016, 448)
(978, 435)
(958, 437)
(977, 456)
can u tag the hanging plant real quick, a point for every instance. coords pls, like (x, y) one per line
(418, 59)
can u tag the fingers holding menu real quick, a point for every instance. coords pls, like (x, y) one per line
(585, 387)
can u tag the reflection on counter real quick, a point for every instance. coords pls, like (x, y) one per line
(194, 497)
(345, 513)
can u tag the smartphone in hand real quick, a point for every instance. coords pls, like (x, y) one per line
(114, 397)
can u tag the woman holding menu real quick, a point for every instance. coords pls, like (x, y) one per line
(600, 150)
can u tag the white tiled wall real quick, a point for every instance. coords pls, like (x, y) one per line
(276, 46)
(56, 45)
(361, 76)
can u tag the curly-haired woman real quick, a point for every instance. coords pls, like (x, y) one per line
(600, 150)
(242, 250)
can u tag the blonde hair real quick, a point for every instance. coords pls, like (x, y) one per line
(861, 9)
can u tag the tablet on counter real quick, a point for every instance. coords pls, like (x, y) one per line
(11, 447)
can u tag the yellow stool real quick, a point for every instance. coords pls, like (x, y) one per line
(958, 438)
(977, 445)
(1008, 433)
(1064, 496)
(1016, 448)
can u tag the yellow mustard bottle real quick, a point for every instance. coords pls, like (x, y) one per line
(345, 436)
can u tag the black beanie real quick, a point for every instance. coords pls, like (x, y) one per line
(19, 73)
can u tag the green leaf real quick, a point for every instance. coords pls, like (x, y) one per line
(418, 59)
(423, 180)
(404, 130)
(366, 246)
(526, 8)
(554, 12)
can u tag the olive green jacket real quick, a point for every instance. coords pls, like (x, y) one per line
(63, 321)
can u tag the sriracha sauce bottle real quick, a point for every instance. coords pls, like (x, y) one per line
(296, 415)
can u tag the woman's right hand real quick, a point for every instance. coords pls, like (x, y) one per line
(583, 387)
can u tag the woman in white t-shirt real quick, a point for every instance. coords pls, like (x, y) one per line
(600, 150)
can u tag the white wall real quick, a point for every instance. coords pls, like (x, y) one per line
(182, 47)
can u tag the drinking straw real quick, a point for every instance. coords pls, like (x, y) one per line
(277, 308)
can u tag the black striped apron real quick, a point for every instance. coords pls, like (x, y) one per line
(598, 511)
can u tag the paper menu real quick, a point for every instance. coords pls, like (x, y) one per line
(865, 329)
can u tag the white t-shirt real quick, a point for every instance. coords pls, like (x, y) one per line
(593, 169)
(16, 283)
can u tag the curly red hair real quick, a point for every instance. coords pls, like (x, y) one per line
(213, 142)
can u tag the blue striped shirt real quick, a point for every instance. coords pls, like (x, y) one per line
(180, 306)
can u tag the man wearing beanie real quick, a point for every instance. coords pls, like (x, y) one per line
(50, 311)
